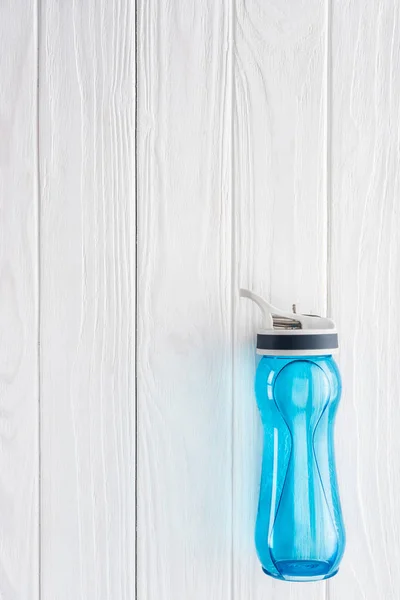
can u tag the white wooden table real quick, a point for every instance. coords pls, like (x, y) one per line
(154, 158)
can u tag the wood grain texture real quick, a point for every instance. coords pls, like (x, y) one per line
(301, 205)
(19, 406)
(184, 302)
(281, 225)
(365, 290)
(87, 300)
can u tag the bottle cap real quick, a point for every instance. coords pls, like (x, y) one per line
(292, 334)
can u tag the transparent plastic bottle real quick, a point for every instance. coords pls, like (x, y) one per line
(299, 530)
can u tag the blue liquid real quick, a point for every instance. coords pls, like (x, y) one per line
(299, 530)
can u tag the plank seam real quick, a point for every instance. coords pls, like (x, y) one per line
(328, 164)
(233, 283)
(39, 308)
(136, 187)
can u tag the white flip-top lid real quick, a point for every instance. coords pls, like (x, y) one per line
(292, 334)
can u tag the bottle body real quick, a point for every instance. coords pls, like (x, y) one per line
(299, 530)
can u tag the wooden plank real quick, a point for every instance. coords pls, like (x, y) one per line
(281, 225)
(184, 301)
(19, 373)
(365, 289)
(88, 299)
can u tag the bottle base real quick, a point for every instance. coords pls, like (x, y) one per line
(302, 570)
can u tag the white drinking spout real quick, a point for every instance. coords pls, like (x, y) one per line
(268, 311)
(266, 308)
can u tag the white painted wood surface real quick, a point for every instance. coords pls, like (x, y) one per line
(365, 284)
(87, 300)
(19, 401)
(280, 214)
(184, 300)
(267, 156)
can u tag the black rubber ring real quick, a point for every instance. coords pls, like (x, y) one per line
(318, 341)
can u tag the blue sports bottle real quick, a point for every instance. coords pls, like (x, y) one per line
(299, 530)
